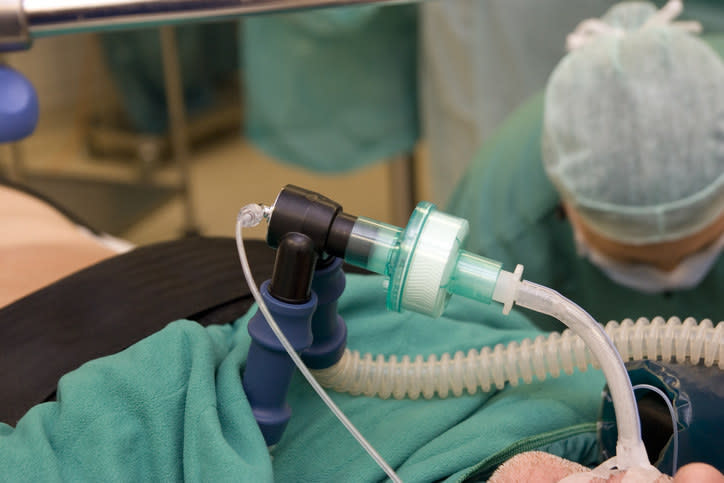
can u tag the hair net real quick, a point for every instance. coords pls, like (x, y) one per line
(633, 133)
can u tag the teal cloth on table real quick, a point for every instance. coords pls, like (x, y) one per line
(172, 407)
(514, 216)
(331, 90)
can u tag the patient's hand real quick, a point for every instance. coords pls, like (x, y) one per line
(539, 467)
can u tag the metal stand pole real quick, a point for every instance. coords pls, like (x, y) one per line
(403, 188)
(17, 160)
(173, 85)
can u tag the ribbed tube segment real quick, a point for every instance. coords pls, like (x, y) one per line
(658, 339)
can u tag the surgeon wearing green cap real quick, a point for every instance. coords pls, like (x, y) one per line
(610, 186)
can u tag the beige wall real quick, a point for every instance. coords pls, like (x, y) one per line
(70, 78)
(65, 70)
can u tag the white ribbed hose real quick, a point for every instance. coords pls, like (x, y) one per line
(488, 368)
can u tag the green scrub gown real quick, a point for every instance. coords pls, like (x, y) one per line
(515, 218)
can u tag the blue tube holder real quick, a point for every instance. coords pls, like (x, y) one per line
(328, 327)
(269, 368)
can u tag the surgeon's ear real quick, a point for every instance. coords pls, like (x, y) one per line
(570, 214)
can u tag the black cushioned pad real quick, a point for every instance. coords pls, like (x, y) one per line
(109, 306)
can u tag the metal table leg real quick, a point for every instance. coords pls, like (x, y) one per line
(403, 188)
(173, 85)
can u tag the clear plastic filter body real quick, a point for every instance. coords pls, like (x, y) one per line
(474, 276)
(373, 245)
(424, 263)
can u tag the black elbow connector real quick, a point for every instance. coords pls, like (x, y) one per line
(293, 269)
(311, 214)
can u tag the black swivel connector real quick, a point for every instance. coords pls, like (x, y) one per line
(316, 216)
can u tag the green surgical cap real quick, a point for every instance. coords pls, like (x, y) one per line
(633, 131)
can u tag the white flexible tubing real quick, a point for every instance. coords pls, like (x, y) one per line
(658, 339)
(249, 216)
(630, 449)
(488, 368)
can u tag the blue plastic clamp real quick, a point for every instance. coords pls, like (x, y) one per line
(269, 368)
(328, 327)
(18, 106)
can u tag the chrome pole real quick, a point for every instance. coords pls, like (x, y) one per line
(178, 127)
(52, 17)
(14, 34)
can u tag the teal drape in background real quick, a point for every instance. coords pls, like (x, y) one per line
(207, 55)
(332, 90)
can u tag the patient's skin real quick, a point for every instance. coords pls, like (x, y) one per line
(700, 472)
(535, 466)
(664, 255)
(39, 246)
(539, 467)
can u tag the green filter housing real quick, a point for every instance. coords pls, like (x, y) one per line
(424, 263)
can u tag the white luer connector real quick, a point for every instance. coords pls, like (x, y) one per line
(506, 290)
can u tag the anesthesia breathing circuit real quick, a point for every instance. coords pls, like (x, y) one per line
(424, 264)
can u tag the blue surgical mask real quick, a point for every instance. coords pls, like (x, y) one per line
(645, 278)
